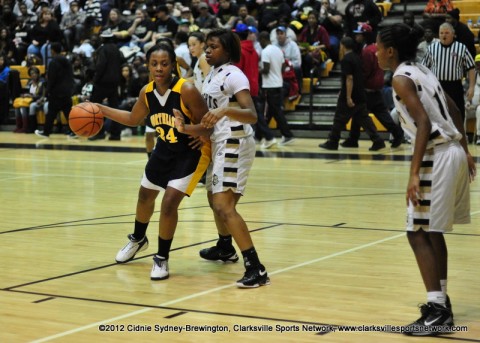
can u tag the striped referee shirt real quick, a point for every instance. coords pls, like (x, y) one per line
(448, 62)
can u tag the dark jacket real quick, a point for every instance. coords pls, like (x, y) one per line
(108, 63)
(59, 78)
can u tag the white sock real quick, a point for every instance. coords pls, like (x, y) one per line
(437, 297)
(443, 283)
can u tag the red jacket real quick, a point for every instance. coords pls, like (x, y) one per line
(249, 65)
(372, 73)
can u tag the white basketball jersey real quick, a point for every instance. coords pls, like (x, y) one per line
(433, 99)
(219, 89)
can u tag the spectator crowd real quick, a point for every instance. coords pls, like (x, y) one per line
(307, 32)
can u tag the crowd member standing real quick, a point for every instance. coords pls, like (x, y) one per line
(272, 62)
(291, 52)
(249, 65)
(463, 34)
(374, 81)
(226, 90)
(449, 61)
(438, 187)
(352, 100)
(174, 167)
(59, 89)
(108, 72)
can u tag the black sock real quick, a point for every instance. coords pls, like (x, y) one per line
(149, 154)
(164, 247)
(250, 258)
(225, 242)
(140, 230)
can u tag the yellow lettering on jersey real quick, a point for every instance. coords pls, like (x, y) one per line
(162, 119)
(158, 119)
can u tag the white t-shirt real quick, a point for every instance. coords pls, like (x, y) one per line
(182, 51)
(274, 56)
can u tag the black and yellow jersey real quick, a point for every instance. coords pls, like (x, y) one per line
(161, 117)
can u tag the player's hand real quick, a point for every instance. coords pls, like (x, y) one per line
(413, 190)
(472, 169)
(470, 93)
(179, 121)
(350, 103)
(212, 117)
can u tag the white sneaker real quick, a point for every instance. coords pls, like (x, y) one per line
(159, 269)
(268, 144)
(126, 132)
(286, 140)
(41, 134)
(128, 252)
(478, 142)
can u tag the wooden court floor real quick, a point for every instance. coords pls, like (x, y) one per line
(328, 226)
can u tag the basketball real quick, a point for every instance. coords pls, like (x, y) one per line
(85, 119)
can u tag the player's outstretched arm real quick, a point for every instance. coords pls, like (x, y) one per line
(133, 118)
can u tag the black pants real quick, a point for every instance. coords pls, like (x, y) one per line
(111, 94)
(343, 115)
(455, 90)
(261, 128)
(376, 105)
(273, 98)
(56, 105)
(4, 105)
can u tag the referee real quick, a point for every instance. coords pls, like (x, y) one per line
(450, 60)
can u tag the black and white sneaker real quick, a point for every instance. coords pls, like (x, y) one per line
(128, 252)
(159, 269)
(219, 254)
(435, 320)
(254, 277)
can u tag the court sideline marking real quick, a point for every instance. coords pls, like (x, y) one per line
(213, 290)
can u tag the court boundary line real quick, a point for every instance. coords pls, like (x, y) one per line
(213, 290)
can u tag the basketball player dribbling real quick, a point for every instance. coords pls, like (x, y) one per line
(441, 168)
(175, 165)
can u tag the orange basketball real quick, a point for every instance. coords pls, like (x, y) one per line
(85, 119)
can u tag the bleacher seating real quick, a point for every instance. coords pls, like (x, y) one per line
(467, 6)
(377, 124)
(384, 7)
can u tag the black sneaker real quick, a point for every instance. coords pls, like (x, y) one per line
(377, 145)
(98, 136)
(219, 254)
(397, 141)
(329, 145)
(349, 143)
(254, 277)
(448, 305)
(435, 320)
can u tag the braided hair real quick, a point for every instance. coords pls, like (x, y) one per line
(403, 38)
